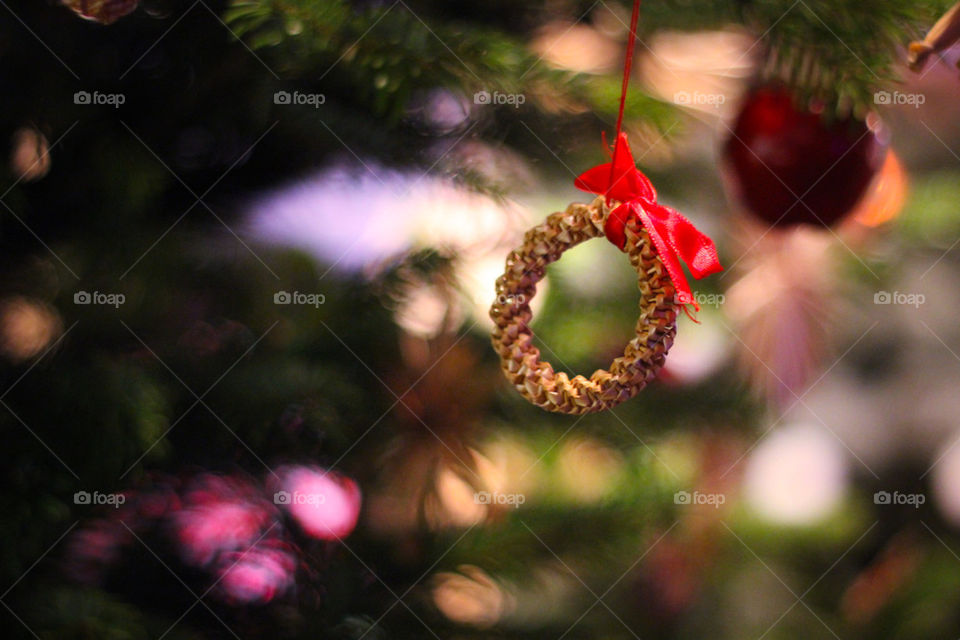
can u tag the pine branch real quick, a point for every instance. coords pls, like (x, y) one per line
(837, 50)
(388, 52)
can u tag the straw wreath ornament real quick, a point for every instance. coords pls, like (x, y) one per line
(655, 238)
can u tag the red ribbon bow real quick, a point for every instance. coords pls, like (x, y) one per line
(672, 234)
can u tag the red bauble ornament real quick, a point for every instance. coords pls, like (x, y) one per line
(778, 153)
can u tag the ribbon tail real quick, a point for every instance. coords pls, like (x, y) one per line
(660, 236)
(690, 244)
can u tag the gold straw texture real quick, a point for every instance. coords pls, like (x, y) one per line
(513, 338)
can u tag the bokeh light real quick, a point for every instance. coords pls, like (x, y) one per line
(324, 503)
(797, 475)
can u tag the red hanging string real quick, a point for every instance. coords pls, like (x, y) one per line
(627, 65)
(674, 237)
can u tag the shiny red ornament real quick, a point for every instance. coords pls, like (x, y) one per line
(790, 166)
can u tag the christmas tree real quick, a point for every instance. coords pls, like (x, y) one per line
(250, 250)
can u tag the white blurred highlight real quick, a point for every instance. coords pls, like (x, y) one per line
(796, 476)
(945, 481)
(577, 47)
(699, 349)
(357, 219)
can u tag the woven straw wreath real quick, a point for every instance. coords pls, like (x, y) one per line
(513, 339)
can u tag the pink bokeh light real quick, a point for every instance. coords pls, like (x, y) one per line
(257, 575)
(325, 504)
(218, 516)
(222, 526)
